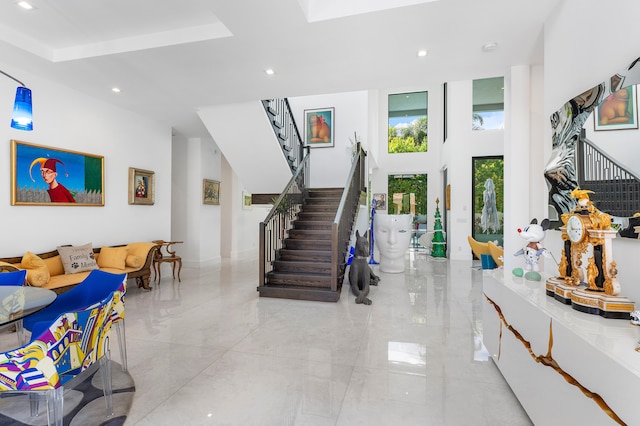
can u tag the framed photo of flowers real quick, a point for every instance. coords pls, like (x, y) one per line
(210, 192)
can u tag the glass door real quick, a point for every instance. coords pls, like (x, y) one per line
(488, 199)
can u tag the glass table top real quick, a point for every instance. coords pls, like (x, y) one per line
(18, 302)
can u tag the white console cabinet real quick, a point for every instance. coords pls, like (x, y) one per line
(597, 353)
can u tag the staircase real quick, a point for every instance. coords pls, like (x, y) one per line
(303, 267)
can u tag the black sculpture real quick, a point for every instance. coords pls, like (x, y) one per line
(360, 274)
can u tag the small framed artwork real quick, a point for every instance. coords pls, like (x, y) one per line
(210, 192)
(447, 197)
(319, 127)
(380, 201)
(617, 111)
(42, 175)
(142, 186)
(246, 200)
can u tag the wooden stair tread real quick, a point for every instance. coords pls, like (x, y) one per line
(300, 293)
(310, 234)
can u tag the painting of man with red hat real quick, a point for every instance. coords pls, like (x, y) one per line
(57, 192)
(67, 178)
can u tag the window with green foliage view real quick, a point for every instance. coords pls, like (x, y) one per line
(408, 194)
(407, 129)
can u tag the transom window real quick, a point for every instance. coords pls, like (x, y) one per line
(488, 104)
(407, 130)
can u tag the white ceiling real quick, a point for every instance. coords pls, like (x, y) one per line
(172, 57)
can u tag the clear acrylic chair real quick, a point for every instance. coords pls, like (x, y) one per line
(95, 287)
(59, 357)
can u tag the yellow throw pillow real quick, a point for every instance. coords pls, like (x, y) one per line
(32, 261)
(38, 277)
(112, 257)
(77, 258)
(37, 271)
(134, 261)
(140, 248)
(55, 265)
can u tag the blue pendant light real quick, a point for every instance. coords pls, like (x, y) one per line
(22, 109)
(22, 116)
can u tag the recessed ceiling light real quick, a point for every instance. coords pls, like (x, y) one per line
(490, 46)
(115, 90)
(422, 53)
(269, 71)
(25, 5)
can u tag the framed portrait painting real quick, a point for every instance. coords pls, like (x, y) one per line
(142, 186)
(617, 111)
(42, 175)
(319, 127)
(210, 192)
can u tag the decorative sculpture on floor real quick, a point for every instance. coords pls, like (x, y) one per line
(360, 274)
(489, 219)
(393, 236)
(533, 234)
(438, 242)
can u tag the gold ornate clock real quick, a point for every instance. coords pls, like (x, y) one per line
(576, 228)
(594, 287)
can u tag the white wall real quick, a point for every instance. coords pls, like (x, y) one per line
(462, 145)
(193, 222)
(576, 60)
(408, 163)
(240, 226)
(67, 119)
(330, 166)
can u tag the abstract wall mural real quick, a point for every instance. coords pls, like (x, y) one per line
(561, 172)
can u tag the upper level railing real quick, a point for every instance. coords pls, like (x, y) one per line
(343, 222)
(273, 230)
(617, 190)
(286, 130)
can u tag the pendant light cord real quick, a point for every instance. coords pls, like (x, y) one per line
(13, 78)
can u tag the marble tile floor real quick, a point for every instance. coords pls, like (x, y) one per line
(209, 351)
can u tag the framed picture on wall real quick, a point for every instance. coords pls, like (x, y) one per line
(142, 186)
(246, 200)
(210, 192)
(617, 111)
(380, 201)
(42, 175)
(319, 128)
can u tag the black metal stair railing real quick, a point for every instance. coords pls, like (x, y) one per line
(274, 229)
(286, 131)
(345, 217)
(617, 190)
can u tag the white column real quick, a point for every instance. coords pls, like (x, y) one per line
(517, 157)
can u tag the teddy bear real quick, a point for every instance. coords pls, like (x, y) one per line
(534, 233)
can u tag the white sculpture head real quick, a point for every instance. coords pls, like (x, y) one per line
(392, 235)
